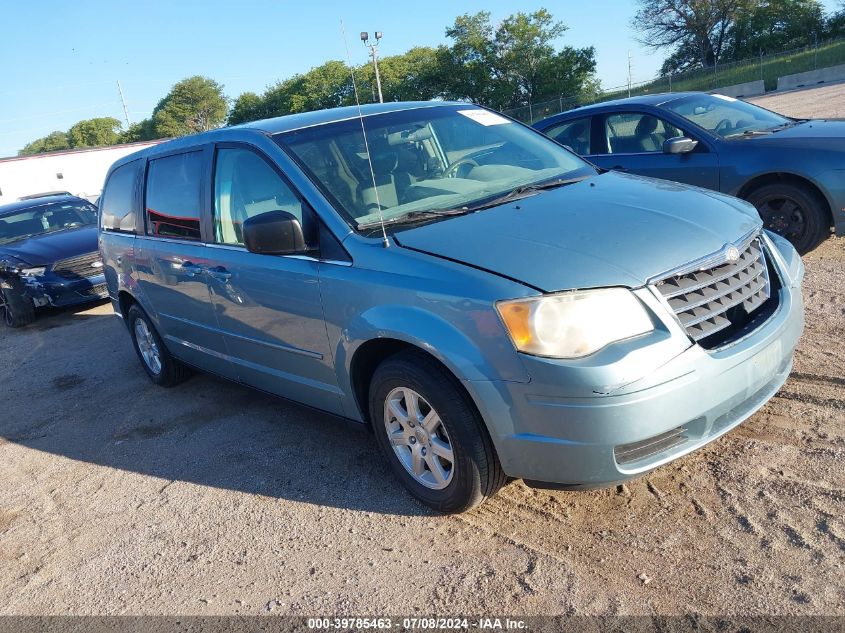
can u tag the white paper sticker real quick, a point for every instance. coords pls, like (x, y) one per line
(484, 117)
(722, 97)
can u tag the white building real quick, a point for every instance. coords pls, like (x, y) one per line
(80, 172)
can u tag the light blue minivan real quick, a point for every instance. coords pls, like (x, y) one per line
(489, 303)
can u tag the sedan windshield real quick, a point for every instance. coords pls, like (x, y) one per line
(428, 162)
(43, 219)
(726, 116)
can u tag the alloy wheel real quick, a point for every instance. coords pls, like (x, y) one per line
(147, 346)
(419, 438)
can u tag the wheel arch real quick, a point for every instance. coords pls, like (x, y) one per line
(780, 177)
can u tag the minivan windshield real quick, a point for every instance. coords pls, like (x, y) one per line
(42, 219)
(726, 116)
(428, 161)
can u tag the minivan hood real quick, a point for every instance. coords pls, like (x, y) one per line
(51, 247)
(610, 230)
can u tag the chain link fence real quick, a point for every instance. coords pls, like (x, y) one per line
(764, 67)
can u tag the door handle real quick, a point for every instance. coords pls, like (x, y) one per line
(191, 269)
(219, 273)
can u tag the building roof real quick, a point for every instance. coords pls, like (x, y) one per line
(81, 150)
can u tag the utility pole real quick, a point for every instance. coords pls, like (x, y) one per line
(365, 37)
(123, 101)
(630, 64)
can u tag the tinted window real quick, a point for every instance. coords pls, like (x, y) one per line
(246, 186)
(173, 196)
(574, 134)
(635, 133)
(117, 204)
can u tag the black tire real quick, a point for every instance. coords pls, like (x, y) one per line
(476, 472)
(172, 371)
(796, 212)
(17, 308)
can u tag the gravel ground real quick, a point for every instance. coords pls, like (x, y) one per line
(120, 497)
(812, 103)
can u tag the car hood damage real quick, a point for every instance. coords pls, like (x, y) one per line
(48, 248)
(611, 230)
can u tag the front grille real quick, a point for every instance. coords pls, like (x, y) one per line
(81, 266)
(720, 299)
(636, 451)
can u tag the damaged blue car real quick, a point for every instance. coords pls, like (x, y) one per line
(48, 256)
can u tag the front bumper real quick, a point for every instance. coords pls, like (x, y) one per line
(567, 428)
(58, 292)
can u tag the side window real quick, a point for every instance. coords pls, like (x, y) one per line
(245, 185)
(173, 196)
(635, 133)
(117, 204)
(574, 134)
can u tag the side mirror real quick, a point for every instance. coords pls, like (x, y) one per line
(679, 145)
(274, 233)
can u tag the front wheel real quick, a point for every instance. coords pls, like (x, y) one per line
(432, 435)
(16, 308)
(797, 213)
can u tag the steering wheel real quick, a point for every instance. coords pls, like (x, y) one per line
(724, 125)
(454, 168)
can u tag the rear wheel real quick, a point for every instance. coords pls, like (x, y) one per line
(797, 213)
(17, 310)
(432, 435)
(162, 368)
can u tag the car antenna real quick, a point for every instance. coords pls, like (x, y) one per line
(385, 242)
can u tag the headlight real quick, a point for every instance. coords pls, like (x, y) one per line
(573, 324)
(32, 272)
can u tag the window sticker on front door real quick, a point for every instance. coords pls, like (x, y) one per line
(484, 117)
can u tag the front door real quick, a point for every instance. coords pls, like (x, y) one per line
(633, 142)
(269, 307)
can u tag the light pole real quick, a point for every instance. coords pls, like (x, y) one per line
(365, 37)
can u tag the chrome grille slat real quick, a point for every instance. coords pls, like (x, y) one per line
(721, 307)
(79, 266)
(692, 285)
(704, 300)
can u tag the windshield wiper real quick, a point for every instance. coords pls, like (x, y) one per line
(415, 216)
(526, 190)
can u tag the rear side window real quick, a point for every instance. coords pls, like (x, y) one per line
(574, 134)
(117, 204)
(173, 196)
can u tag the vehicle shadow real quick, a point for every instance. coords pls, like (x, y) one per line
(79, 392)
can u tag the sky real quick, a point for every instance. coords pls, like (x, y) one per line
(62, 61)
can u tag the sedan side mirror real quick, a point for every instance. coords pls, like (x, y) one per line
(274, 233)
(679, 145)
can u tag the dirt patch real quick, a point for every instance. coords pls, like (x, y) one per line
(213, 499)
(811, 103)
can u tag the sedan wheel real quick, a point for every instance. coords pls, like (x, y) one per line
(796, 212)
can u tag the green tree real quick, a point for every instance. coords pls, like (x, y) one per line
(411, 76)
(514, 64)
(247, 107)
(696, 31)
(52, 142)
(774, 26)
(140, 131)
(94, 132)
(193, 105)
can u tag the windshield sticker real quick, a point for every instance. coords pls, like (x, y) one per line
(484, 117)
(723, 97)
